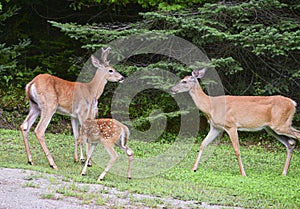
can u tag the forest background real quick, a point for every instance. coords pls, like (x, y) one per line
(254, 45)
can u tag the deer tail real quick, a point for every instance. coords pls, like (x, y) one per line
(124, 136)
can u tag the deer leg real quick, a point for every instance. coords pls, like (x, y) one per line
(113, 157)
(81, 152)
(25, 127)
(81, 140)
(89, 155)
(75, 128)
(87, 146)
(212, 134)
(236, 146)
(130, 155)
(40, 133)
(129, 152)
(289, 143)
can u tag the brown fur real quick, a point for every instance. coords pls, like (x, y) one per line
(108, 132)
(245, 113)
(49, 94)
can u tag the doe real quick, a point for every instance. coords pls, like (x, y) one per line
(242, 113)
(48, 94)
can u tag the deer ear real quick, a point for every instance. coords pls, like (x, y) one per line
(199, 73)
(107, 50)
(95, 61)
(104, 55)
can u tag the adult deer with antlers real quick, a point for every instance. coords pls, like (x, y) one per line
(244, 113)
(108, 132)
(48, 94)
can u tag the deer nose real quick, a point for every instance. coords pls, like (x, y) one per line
(121, 79)
(172, 91)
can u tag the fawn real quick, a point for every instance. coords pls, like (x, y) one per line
(108, 132)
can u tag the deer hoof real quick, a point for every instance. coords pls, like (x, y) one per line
(194, 170)
(292, 143)
(82, 161)
(83, 174)
(30, 163)
(54, 167)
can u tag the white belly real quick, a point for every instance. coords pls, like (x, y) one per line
(251, 129)
(63, 111)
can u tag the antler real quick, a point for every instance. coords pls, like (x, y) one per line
(105, 53)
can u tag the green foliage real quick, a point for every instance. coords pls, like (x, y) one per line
(9, 13)
(258, 39)
(26, 50)
(254, 45)
(159, 4)
(229, 63)
(9, 72)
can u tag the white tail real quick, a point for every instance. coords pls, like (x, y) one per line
(108, 132)
(48, 94)
(244, 113)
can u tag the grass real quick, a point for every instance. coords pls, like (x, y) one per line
(31, 184)
(217, 180)
(80, 193)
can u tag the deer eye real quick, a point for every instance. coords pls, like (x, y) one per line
(110, 71)
(183, 82)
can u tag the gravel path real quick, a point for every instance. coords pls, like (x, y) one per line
(28, 189)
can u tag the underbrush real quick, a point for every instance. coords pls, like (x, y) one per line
(217, 180)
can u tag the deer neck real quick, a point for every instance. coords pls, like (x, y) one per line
(97, 84)
(201, 100)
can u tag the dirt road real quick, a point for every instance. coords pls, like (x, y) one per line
(30, 190)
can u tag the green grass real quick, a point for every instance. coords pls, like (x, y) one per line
(217, 180)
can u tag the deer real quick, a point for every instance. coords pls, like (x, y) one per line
(242, 113)
(108, 132)
(48, 94)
